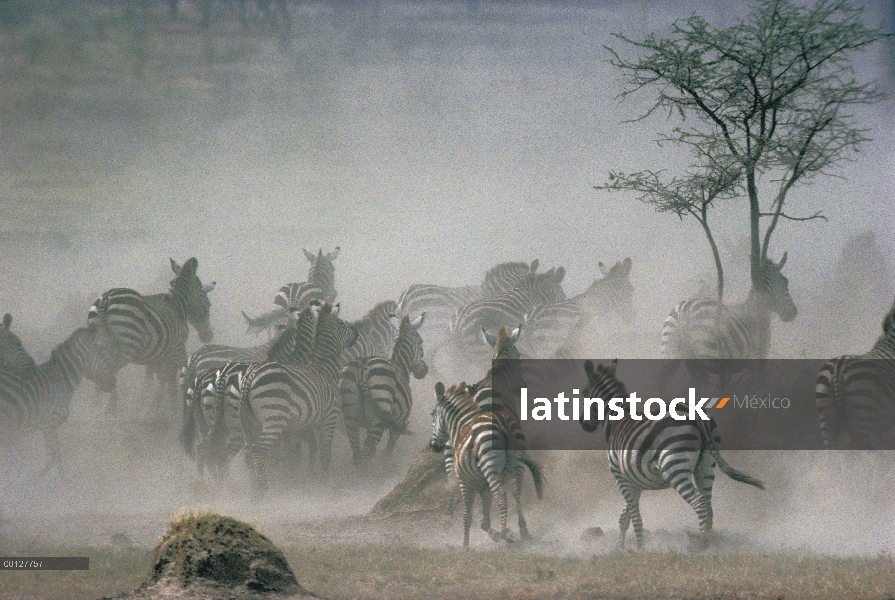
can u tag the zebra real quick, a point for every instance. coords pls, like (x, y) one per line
(322, 272)
(552, 329)
(511, 306)
(375, 333)
(212, 409)
(40, 400)
(854, 395)
(290, 297)
(441, 303)
(705, 329)
(304, 399)
(655, 455)
(482, 462)
(152, 330)
(375, 390)
(13, 356)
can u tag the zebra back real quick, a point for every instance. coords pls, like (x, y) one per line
(13, 356)
(323, 273)
(854, 394)
(375, 333)
(506, 276)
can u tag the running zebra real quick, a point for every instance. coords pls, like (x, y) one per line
(153, 330)
(855, 395)
(535, 290)
(553, 329)
(40, 401)
(482, 461)
(441, 303)
(655, 455)
(323, 273)
(13, 356)
(212, 408)
(375, 333)
(303, 399)
(703, 328)
(375, 391)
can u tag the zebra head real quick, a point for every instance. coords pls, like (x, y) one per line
(614, 293)
(505, 364)
(601, 383)
(332, 336)
(889, 322)
(192, 296)
(322, 272)
(13, 356)
(506, 276)
(776, 286)
(408, 349)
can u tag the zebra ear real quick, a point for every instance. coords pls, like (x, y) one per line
(209, 287)
(515, 335)
(589, 369)
(209, 387)
(310, 256)
(332, 255)
(395, 321)
(534, 265)
(626, 266)
(613, 365)
(439, 389)
(782, 260)
(490, 339)
(175, 267)
(418, 322)
(189, 267)
(603, 269)
(7, 320)
(560, 273)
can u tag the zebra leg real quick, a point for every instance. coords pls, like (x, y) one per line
(631, 514)
(468, 499)
(518, 475)
(393, 436)
(326, 446)
(374, 434)
(486, 495)
(353, 433)
(686, 483)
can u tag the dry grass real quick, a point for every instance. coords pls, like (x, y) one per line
(409, 572)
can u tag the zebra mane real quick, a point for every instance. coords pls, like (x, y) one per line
(456, 396)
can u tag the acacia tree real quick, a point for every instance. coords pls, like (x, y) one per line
(768, 99)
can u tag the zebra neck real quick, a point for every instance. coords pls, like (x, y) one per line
(179, 302)
(755, 316)
(62, 373)
(401, 355)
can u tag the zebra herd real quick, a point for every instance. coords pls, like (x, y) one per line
(318, 372)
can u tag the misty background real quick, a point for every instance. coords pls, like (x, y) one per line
(430, 141)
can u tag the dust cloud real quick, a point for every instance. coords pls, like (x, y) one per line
(430, 141)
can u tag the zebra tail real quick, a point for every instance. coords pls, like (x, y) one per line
(837, 406)
(723, 464)
(536, 475)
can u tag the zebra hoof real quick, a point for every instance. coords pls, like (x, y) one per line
(508, 536)
(495, 535)
(523, 533)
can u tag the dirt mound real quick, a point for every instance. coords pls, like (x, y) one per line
(425, 489)
(209, 556)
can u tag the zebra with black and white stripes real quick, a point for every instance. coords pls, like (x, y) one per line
(440, 303)
(509, 307)
(40, 400)
(375, 391)
(214, 413)
(655, 455)
(13, 356)
(709, 331)
(483, 462)
(855, 395)
(323, 273)
(553, 329)
(153, 330)
(290, 297)
(303, 399)
(375, 333)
